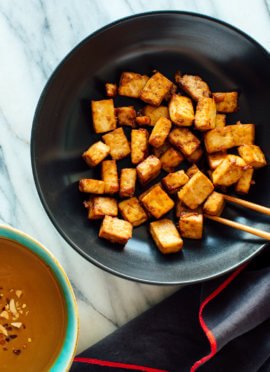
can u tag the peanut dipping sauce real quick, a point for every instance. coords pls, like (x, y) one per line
(32, 311)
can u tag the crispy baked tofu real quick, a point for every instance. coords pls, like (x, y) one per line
(155, 113)
(109, 176)
(191, 225)
(111, 90)
(205, 116)
(214, 204)
(132, 211)
(220, 120)
(91, 186)
(252, 155)
(184, 140)
(173, 181)
(171, 92)
(103, 115)
(126, 116)
(96, 153)
(143, 121)
(181, 110)
(157, 202)
(220, 139)
(170, 159)
(166, 236)
(226, 102)
(131, 84)
(156, 89)
(160, 132)
(139, 145)
(181, 208)
(192, 170)
(118, 143)
(242, 186)
(193, 85)
(148, 169)
(160, 150)
(196, 190)
(196, 155)
(216, 158)
(127, 182)
(115, 230)
(229, 171)
(143, 194)
(100, 206)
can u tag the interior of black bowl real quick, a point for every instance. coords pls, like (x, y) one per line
(62, 130)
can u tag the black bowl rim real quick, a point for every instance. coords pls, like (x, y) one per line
(34, 127)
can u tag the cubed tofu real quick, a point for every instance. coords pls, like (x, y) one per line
(156, 89)
(216, 158)
(127, 182)
(220, 120)
(184, 140)
(132, 211)
(115, 230)
(191, 225)
(166, 236)
(173, 181)
(180, 208)
(100, 206)
(143, 194)
(196, 155)
(155, 113)
(109, 176)
(111, 90)
(170, 159)
(157, 202)
(171, 92)
(242, 186)
(193, 85)
(91, 186)
(103, 115)
(160, 132)
(181, 110)
(126, 116)
(118, 143)
(220, 139)
(148, 169)
(252, 155)
(143, 121)
(192, 170)
(205, 117)
(96, 153)
(139, 145)
(214, 204)
(160, 150)
(196, 190)
(226, 102)
(131, 84)
(229, 171)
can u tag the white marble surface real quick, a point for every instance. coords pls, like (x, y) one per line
(35, 35)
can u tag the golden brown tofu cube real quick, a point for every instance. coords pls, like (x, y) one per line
(127, 182)
(109, 176)
(160, 132)
(103, 115)
(160, 150)
(181, 110)
(184, 140)
(229, 171)
(220, 120)
(205, 117)
(148, 169)
(196, 155)
(139, 145)
(226, 102)
(157, 202)
(166, 236)
(111, 90)
(91, 186)
(216, 158)
(96, 153)
(143, 121)
(173, 181)
(196, 190)
(100, 206)
(191, 225)
(115, 230)
(131, 84)
(156, 89)
(155, 113)
(170, 159)
(192, 170)
(126, 116)
(132, 211)
(252, 155)
(118, 143)
(214, 204)
(242, 186)
(193, 85)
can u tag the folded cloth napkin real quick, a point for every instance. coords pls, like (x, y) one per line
(220, 325)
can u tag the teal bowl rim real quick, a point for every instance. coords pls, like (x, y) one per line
(67, 353)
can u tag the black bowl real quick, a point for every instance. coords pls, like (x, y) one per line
(167, 41)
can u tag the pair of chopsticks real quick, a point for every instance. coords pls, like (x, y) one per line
(239, 226)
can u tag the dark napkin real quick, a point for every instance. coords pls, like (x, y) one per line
(220, 325)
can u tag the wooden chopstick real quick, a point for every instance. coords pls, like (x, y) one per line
(247, 204)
